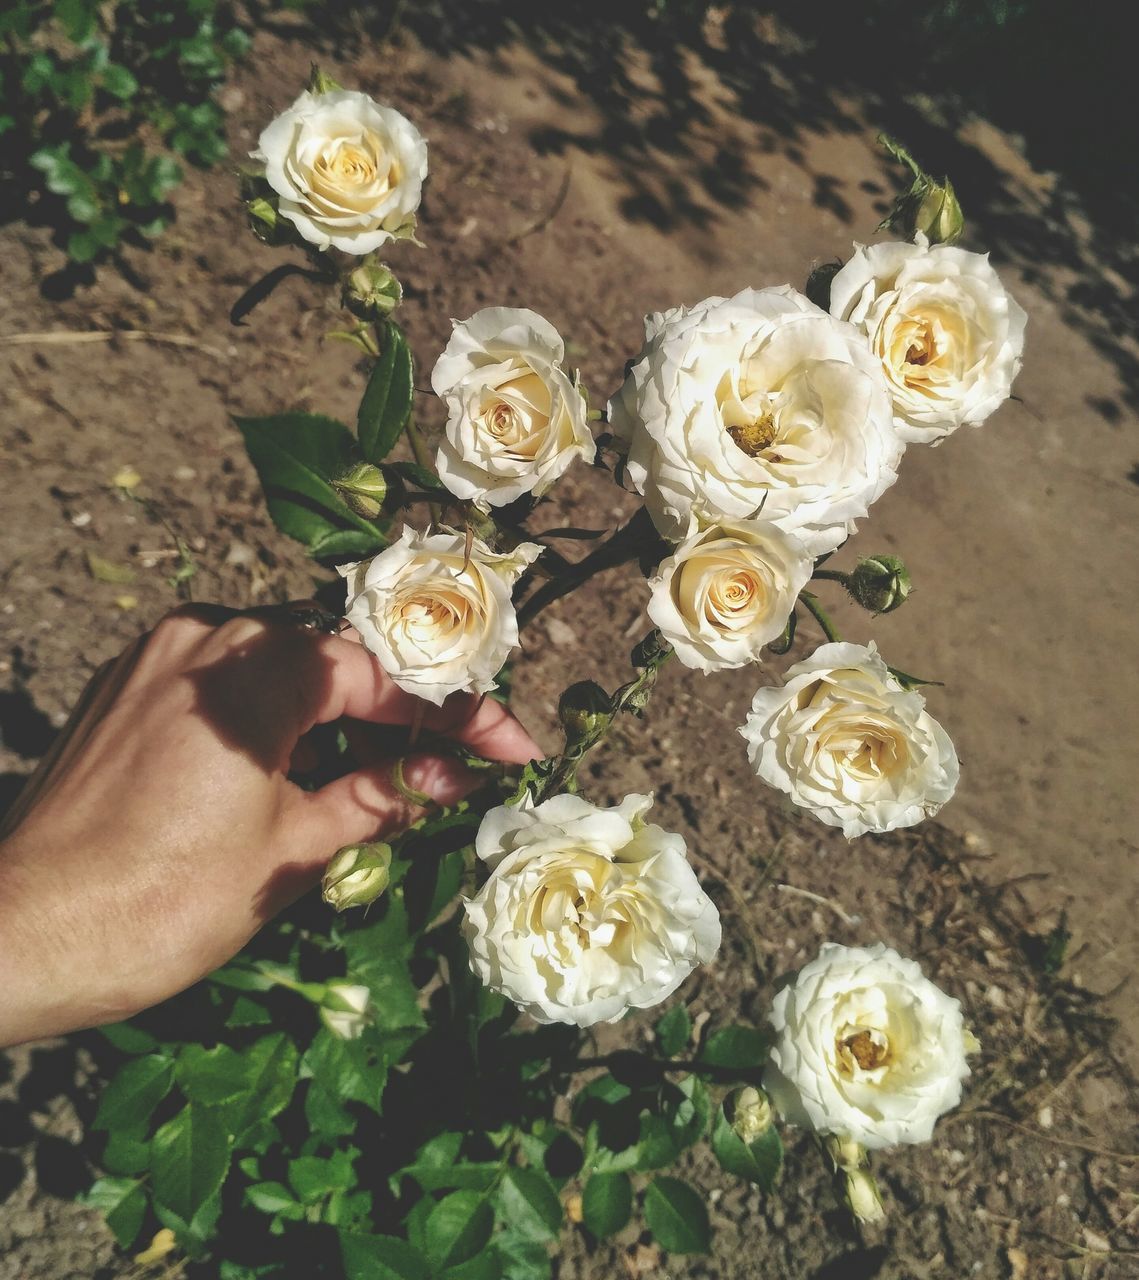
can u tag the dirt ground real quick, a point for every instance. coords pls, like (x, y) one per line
(1017, 536)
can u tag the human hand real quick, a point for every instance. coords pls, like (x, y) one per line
(162, 831)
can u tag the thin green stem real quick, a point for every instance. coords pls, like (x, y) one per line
(820, 615)
(831, 575)
(423, 458)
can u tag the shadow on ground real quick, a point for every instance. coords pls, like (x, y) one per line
(1054, 74)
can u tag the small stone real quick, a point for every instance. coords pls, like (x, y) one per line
(561, 634)
(82, 520)
(1044, 1117)
(185, 473)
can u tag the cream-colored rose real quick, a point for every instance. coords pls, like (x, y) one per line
(843, 739)
(515, 421)
(760, 405)
(727, 591)
(944, 328)
(588, 912)
(438, 620)
(349, 172)
(866, 1048)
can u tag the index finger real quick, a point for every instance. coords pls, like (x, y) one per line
(353, 684)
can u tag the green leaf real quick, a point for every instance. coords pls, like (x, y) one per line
(134, 1093)
(212, 1076)
(122, 1202)
(468, 1176)
(314, 1177)
(673, 1031)
(297, 456)
(118, 81)
(521, 1259)
(680, 1120)
(129, 1038)
(529, 1204)
(483, 1266)
(606, 1203)
(677, 1216)
(457, 1228)
(369, 1257)
(247, 1013)
(272, 1077)
(739, 1047)
(758, 1161)
(189, 1158)
(386, 405)
(273, 1198)
(127, 1151)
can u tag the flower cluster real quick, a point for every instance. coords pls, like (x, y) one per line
(758, 429)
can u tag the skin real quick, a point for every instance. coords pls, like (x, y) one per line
(162, 831)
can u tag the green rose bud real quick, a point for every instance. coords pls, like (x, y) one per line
(819, 284)
(879, 583)
(860, 1192)
(357, 875)
(363, 488)
(937, 214)
(321, 82)
(585, 710)
(750, 1113)
(929, 207)
(371, 291)
(345, 1009)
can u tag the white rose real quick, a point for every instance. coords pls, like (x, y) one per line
(439, 621)
(757, 405)
(846, 741)
(587, 912)
(349, 171)
(515, 421)
(948, 335)
(727, 591)
(866, 1048)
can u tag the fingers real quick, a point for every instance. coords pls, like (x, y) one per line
(351, 683)
(366, 805)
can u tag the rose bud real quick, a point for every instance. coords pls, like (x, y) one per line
(860, 1192)
(357, 875)
(372, 291)
(880, 583)
(344, 1009)
(750, 1113)
(938, 214)
(585, 710)
(364, 489)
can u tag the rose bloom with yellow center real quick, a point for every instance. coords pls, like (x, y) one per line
(947, 333)
(436, 613)
(515, 420)
(866, 1048)
(587, 912)
(760, 406)
(348, 171)
(846, 741)
(727, 591)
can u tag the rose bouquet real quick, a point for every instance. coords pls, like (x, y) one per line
(401, 1092)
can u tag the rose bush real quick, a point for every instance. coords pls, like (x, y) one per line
(946, 332)
(387, 1066)
(587, 912)
(866, 1048)
(727, 591)
(348, 172)
(760, 405)
(437, 614)
(515, 421)
(844, 739)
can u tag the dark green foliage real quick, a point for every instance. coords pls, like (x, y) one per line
(79, 81)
